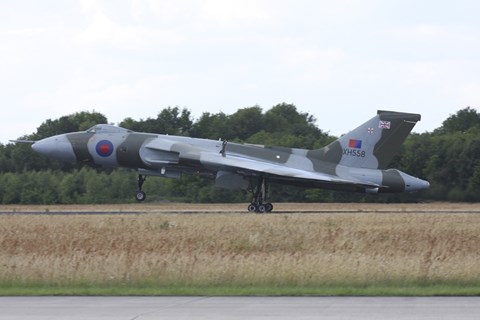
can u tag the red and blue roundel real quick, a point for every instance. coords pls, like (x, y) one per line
(104, 148)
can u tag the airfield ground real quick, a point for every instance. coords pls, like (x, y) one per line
(345, 249)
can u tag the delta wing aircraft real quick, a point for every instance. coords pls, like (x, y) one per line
(357, 161)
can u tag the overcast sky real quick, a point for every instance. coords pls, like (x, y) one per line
(338, 60)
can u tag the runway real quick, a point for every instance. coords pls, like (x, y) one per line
(332, 308)
(240, 208)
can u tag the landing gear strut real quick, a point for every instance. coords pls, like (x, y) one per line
(140, 195)
(259, 196)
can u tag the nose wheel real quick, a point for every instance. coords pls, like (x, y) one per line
(140, 195)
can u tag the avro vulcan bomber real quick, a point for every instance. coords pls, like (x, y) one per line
(356, 162)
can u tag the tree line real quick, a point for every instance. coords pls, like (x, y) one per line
(449, 157)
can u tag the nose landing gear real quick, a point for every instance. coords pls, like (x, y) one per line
(140, 195)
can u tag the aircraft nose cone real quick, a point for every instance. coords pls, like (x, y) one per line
(57, 147)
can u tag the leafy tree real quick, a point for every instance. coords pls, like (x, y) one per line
(245, 122)
(461, 121)
(72, 186)
(11, 185)
(169, 121)
(298, 129)
(33, 187)
(79, 121)
(212, 126)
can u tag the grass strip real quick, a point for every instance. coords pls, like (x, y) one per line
(401, 254)
(182, 290)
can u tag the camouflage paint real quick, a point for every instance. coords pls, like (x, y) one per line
(79, 141)
(128, 152)
(392, 139)
(394, 182)
(274, 155)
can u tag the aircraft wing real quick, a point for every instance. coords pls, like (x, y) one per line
(164, 152)
(247, 166)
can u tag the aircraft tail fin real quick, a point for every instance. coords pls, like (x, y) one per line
(373, 144)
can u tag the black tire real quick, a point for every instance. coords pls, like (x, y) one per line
(268, 207)
(140, 196)
(251, 208)
(261, 208)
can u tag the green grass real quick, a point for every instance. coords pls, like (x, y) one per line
(208, 290)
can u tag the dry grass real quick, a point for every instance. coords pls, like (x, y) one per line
(166, 249)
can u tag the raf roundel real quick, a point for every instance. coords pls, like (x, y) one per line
(104, 148)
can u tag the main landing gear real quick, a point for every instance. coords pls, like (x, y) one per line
(259, 196)
(140, 195)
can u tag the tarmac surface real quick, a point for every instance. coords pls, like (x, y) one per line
(235, 208)
(144, 308)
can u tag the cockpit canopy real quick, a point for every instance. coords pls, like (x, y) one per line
(107, 128)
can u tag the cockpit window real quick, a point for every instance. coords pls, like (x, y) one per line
(106, 128)
(92, 129)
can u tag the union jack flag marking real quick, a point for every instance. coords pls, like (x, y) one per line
(384, 124)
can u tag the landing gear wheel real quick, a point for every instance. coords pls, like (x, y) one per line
(268, 207)
(260, 193)
(140, 196)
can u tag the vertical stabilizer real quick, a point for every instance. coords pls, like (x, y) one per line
(373, 144)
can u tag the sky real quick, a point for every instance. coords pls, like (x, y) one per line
(339, 61)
